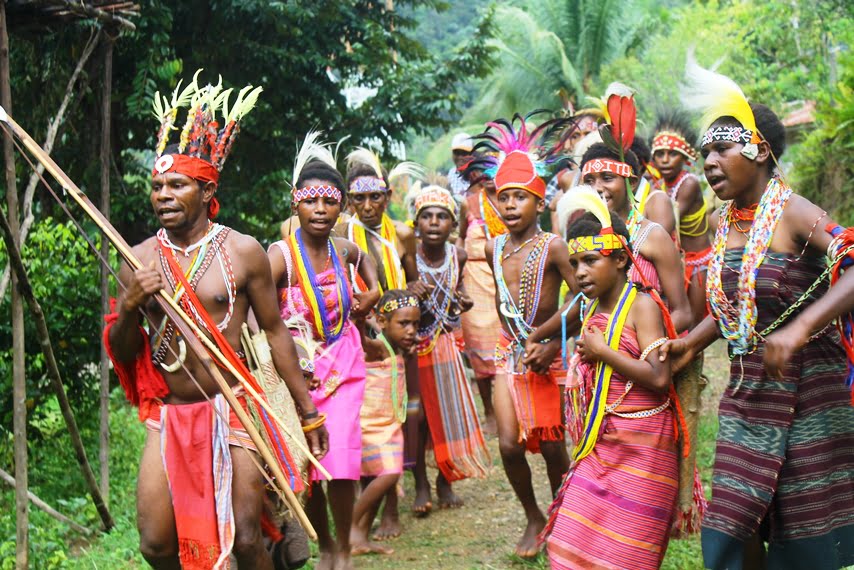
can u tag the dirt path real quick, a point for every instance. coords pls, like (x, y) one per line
(482, 534)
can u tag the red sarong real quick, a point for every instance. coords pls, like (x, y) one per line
(536, 397)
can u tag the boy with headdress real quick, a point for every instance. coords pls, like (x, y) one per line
(528, 273)
(449, 409)
(199, 498)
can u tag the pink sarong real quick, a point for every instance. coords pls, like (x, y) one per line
(340, 367)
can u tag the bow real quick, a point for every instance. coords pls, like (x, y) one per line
(198, 342)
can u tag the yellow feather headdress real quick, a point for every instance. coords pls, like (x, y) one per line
(715, 96)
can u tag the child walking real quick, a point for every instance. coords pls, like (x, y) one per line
(528, 273)
(383, 411)
(450, 416)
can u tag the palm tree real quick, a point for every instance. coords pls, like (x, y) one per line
(551, 50)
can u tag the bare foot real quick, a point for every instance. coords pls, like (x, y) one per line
(343, 562)
(326, 561)
(489, 427)
(423, 503)
(447, 498)
(389, 527)
(369, 547)
(528, 546)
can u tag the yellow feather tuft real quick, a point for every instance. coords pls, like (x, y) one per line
(715, 96)
(585, 198)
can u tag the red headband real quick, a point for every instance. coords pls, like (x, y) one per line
(607, 165)
(195, 168)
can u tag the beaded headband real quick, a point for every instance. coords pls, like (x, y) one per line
(321, 191)
(395, 304)
(364, 184)
(604, 242)
(734, 134)
(607, 165)
(670, 140)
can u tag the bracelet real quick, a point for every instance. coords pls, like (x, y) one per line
(653, 345)
(310, 415)
(316, 424)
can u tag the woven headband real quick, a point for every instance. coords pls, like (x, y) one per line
(365, 184)
(607, 165)
(320, 191)
(669, 140)
(734, 134)
(395, 304)
(439, 199)
(606, 243)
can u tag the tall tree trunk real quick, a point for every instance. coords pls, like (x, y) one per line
(19, 388)
(104, 449)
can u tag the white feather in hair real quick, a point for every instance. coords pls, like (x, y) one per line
(715, 96)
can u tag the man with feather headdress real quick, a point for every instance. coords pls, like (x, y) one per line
(200, 499)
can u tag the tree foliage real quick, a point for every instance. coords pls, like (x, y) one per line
(549, 51)
(304, 54)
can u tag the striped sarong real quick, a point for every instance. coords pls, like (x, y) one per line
(458, 443)
(784, 464)
(382, 434)
(616, 506)
(536, 397)
(481, 325)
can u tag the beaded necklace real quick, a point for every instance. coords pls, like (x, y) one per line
(520, 317)
(208, 249)
(313, 293)
(445, 279)
(737, 322)
(633, 224)
(737, 215)
(397, 405)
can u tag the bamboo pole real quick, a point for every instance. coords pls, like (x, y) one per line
(104, 447)
(26, 292)
(47, 508)
(195, 338)
(19, 380)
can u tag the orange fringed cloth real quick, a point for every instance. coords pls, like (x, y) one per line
(536, 397)
(142, 382)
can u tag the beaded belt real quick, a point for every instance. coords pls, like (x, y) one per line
(641, 414)
(612, 409)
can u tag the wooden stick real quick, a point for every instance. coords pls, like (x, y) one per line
(83, 9)
(47, 508)
(182, 321)
(26, 291)
(124, 249)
